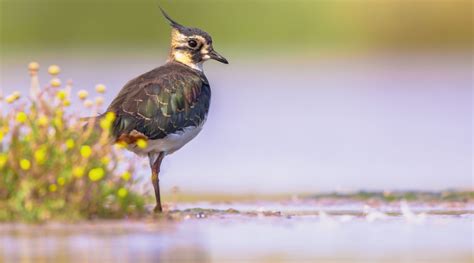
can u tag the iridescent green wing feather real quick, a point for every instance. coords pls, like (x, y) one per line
(162, 101)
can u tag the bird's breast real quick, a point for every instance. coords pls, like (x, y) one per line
(170, 143)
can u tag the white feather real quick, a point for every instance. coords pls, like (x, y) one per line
(169, 144)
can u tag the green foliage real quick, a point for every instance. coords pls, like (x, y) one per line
(55, 166)
(252, 26)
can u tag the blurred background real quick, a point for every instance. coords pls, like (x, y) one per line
(319, 95)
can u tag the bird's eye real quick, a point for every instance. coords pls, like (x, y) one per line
(192, 43)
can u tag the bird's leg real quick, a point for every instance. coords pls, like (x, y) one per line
(155, 163)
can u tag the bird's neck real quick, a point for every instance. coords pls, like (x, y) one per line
(186, 59)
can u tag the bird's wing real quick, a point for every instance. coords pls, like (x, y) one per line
(160, 102)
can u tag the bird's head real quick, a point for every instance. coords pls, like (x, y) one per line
(191, 46)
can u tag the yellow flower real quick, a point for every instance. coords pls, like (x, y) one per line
(61, 95)
(3, 159)
(59, 112)
(61, 181)
(110, 116)
(106, 122)
(122, 192)
(53, 188)
(99, 101)
(105, 160)
(70, 143)
(55, 82)
(58, 122)
(88, 103)
(1, 136)
(43, 121)
(100, 88)
(54, 70)
(10, 99)
(86, 151)
(33, 66)
(142, 144)
(96, 174)
(21, 117)
(126, 176)
(82, 94)
(25, 164)
(40, 155)
(78, 171)
(13, 97)
(66, 103)
(16, 95)
(120, 145)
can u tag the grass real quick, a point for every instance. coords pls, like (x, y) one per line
(53, 165)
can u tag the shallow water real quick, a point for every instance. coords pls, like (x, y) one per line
(255, 233)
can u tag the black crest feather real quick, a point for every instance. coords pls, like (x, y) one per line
(188, 31)
(171, 21)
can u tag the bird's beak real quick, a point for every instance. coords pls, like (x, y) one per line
(216, 56)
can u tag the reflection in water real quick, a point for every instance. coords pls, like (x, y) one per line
(348, 233)
(100, 242)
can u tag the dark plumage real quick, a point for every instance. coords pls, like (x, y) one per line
(167, 106)
(162, 101)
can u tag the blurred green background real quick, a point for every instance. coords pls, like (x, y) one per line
(260, 26)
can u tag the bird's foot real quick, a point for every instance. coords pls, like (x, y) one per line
(158, 209)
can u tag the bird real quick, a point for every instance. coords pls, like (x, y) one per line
(167, 106)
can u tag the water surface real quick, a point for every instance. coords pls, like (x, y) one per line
(350, 232)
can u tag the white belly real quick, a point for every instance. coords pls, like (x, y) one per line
(170, 143)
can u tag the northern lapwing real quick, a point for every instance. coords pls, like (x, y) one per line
(167, 106)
